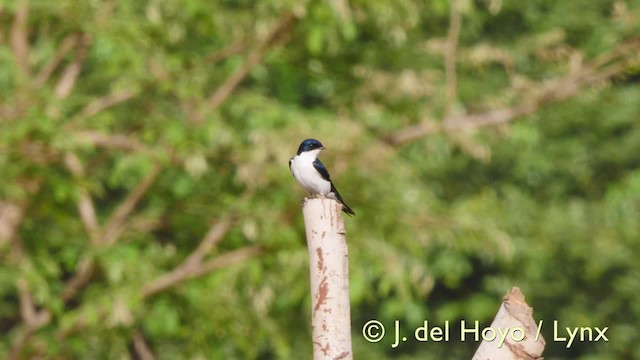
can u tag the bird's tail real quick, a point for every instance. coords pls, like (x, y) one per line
(345, 207)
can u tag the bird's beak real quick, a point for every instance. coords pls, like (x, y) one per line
(323, 148)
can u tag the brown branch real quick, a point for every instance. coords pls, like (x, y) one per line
(601, 69)
(80, 322)
(110, 234)
(32, 318)
(105, 102)
(561, 89)
(189, 269)
(85, 203)
(11, 215)
(142, 350)
(2, 35)
(72, 70)
(145, 224)
(111, 141)
(67, 45)
(213, 237)
(186, 271)
(19, 344)
(36, 152)
(115, 224)
(20, 38)
(451, 81)
(253, 58)
(225, 260)
(455, 23)
(628, 48)
(175, 278)
(230, 50)
(80, 279)
(39, 153)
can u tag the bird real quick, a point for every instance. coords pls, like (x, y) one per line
(309, 171)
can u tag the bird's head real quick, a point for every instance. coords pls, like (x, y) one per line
(310, 145)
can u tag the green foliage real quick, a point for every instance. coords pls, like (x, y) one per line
(446, 224)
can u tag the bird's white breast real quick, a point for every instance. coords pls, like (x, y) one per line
(306, 174)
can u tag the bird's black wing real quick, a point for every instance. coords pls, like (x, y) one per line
(321, 169)
(318, 165)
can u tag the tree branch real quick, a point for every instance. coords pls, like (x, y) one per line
(111, 141)
(176, 277)
(254, 58)
(110, 234)
(601, 69)
(85, 203)
(230, 50)
(72, 71)
(32, 318)
(11, 214)
(67, 45)
(20, 38)
(2, 35)
(187, 271)
(451, 84)
(105, 102)
(80, 279)
(455, 23)
(115, 224)
(142, 350)
(215, 234)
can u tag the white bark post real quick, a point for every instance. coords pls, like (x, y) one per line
(514, 313)
(329, 275)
